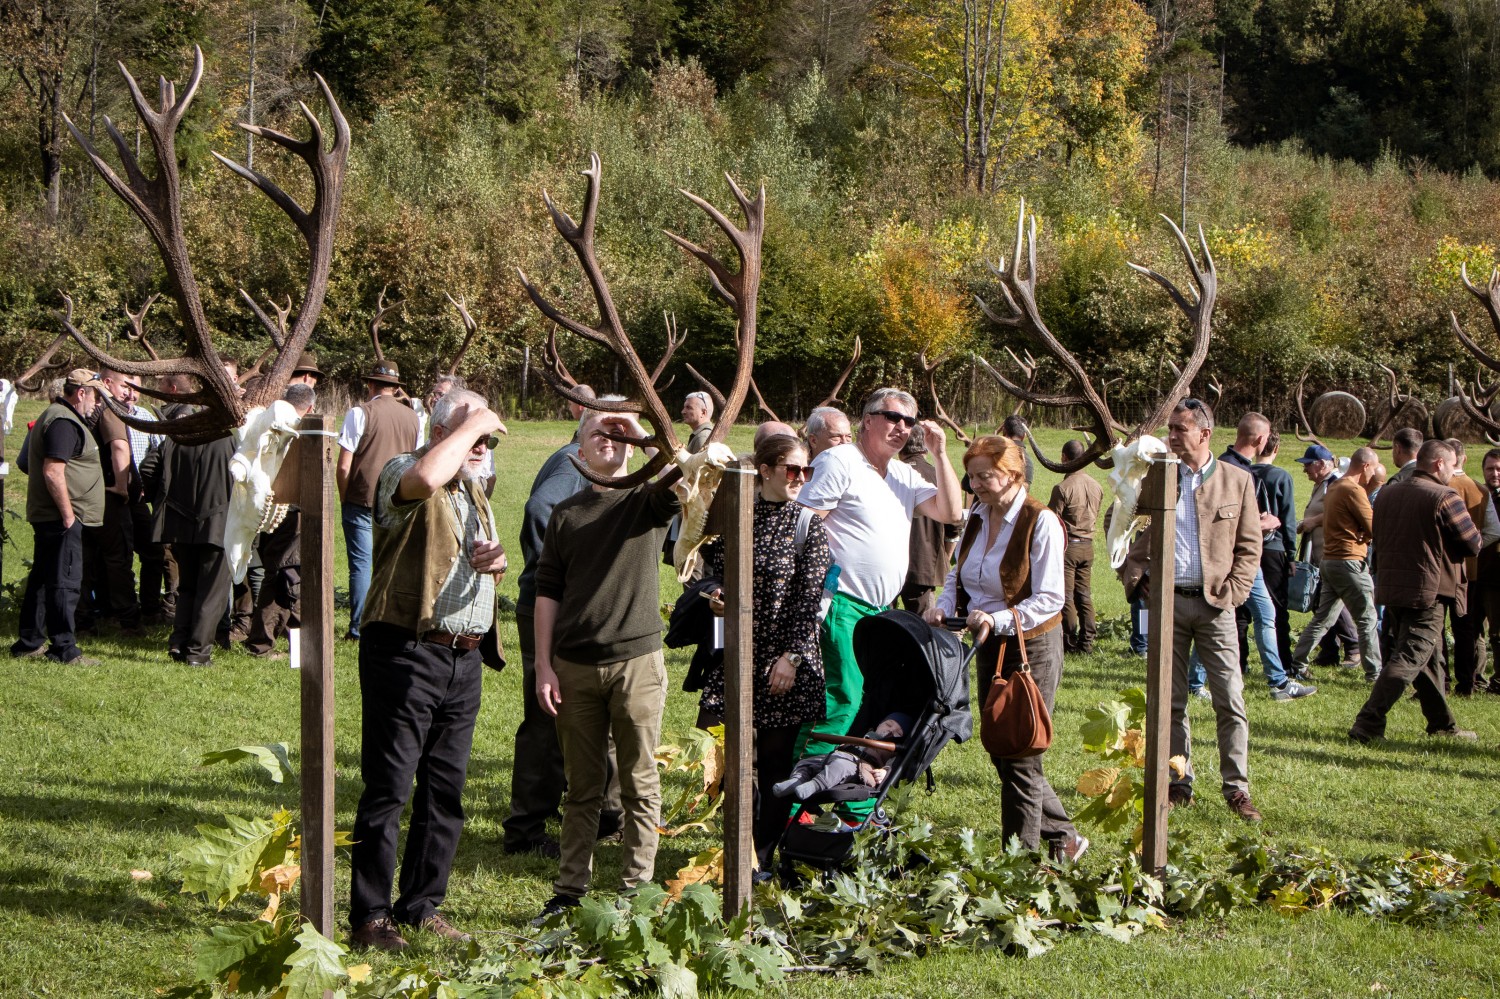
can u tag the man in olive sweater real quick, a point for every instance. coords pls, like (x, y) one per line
(599, 665)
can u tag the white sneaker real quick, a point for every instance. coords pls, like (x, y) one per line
(1292, 691)
(1203, 693)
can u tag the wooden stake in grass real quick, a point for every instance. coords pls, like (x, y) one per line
(1159, 500)
(314, 456)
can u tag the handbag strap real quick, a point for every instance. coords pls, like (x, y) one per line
(1020, 636)
(1302, 548)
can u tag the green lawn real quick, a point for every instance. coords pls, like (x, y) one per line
(100, 778)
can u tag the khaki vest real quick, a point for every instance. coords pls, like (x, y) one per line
(84, 474)
(411, 561)
(1015, 564)
(390, 429)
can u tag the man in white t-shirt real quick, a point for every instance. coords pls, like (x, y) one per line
(866, 500)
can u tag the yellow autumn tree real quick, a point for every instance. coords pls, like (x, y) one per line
(923, 306)
(1013, 80)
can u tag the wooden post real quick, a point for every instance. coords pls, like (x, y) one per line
(313, 453)
(732, 516)
(1159, 501)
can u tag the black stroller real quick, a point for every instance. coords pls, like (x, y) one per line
(908, 665)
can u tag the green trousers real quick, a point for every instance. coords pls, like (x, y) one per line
(844, 684)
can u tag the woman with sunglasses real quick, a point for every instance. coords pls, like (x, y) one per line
(1009, 577)
(791, 559)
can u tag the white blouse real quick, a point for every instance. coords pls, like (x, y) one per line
(981, 571)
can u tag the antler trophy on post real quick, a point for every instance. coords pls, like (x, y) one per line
(157, 202)
(1478, 406)
(1339, 410)
(929, 372)
(739, 288)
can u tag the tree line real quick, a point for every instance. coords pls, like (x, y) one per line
(1338, 156)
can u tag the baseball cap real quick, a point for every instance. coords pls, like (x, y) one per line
(1315, 452)
(80, 377)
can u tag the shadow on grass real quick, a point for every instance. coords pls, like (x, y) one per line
(114, 900)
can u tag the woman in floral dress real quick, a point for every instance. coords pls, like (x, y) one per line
(791, 559)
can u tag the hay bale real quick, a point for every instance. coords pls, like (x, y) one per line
(1450, 420)
(1414, 414)
(1337, 414)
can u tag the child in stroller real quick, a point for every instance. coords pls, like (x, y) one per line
(867, 763)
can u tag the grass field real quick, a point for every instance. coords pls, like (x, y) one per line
(100, 778)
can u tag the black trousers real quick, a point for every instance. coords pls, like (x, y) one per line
(1415, 635)
(158, 582)
(1029, 807)
(418, 704)
(52, 589)
(1468, 645)
(203, 587)
(774, 758)
(537, 781)
(109, 564)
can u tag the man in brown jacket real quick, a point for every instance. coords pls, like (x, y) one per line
(1076, 500)
(1216, 557)
(1423, 533)
(373, 433)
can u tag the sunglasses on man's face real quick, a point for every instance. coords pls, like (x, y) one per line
(894, 417)
(491, 442)
(796, 472)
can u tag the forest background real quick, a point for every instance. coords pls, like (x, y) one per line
(1342, 159)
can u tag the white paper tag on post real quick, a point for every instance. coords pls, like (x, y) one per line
(718, 632)
(294, 639)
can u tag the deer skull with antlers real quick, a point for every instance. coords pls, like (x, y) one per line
(693, 476)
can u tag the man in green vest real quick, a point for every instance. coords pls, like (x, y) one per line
(431, 603)
(64, 494)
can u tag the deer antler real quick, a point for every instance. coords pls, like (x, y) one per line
(30, 379)
(157, 202)
(838, 386)
(469, 325)
(1396, 404)
(137, 325)
(1478, 407)
(1304, 429)
(1020, 296)
(276, 328)
(378, 320)
(929, 371)
(674, 340)
(710, 387)
(739, 288)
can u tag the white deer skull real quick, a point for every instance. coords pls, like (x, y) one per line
(264, 439)
(1132, 462)
(701, 474)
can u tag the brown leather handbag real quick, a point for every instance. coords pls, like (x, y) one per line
(1014, 722)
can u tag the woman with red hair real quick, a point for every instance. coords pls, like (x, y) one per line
(1009, 578)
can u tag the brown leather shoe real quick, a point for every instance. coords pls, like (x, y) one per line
(435, 923)
(1239, 804)
(379, 933)
(1179, 795)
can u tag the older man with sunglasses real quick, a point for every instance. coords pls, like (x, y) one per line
(867, 500)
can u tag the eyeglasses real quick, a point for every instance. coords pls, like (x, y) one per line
(894, 417)
(491, 442)
(795, 472)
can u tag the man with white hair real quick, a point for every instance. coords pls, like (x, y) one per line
(698, 414)
(867, 500)
(826, 428)
(437, 562)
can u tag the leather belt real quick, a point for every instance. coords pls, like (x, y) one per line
(448, 640)
(1188, 591)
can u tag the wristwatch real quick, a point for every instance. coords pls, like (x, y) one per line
(795, 658)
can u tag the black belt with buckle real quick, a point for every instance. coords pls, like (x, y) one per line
(1188, 591)
(448, 640)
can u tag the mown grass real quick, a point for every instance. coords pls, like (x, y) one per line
(100, 778)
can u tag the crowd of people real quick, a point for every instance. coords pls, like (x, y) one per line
(851, 515)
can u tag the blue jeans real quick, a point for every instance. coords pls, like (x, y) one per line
(358, 528)
(1197, 674)
(1263, 622)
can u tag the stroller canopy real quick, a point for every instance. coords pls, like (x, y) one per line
(910, 666)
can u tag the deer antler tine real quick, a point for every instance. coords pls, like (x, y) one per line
(708, 386)
(1302, 421)
(929, 369)
(470, 326)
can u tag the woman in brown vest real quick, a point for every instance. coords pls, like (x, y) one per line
(1009, 575)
